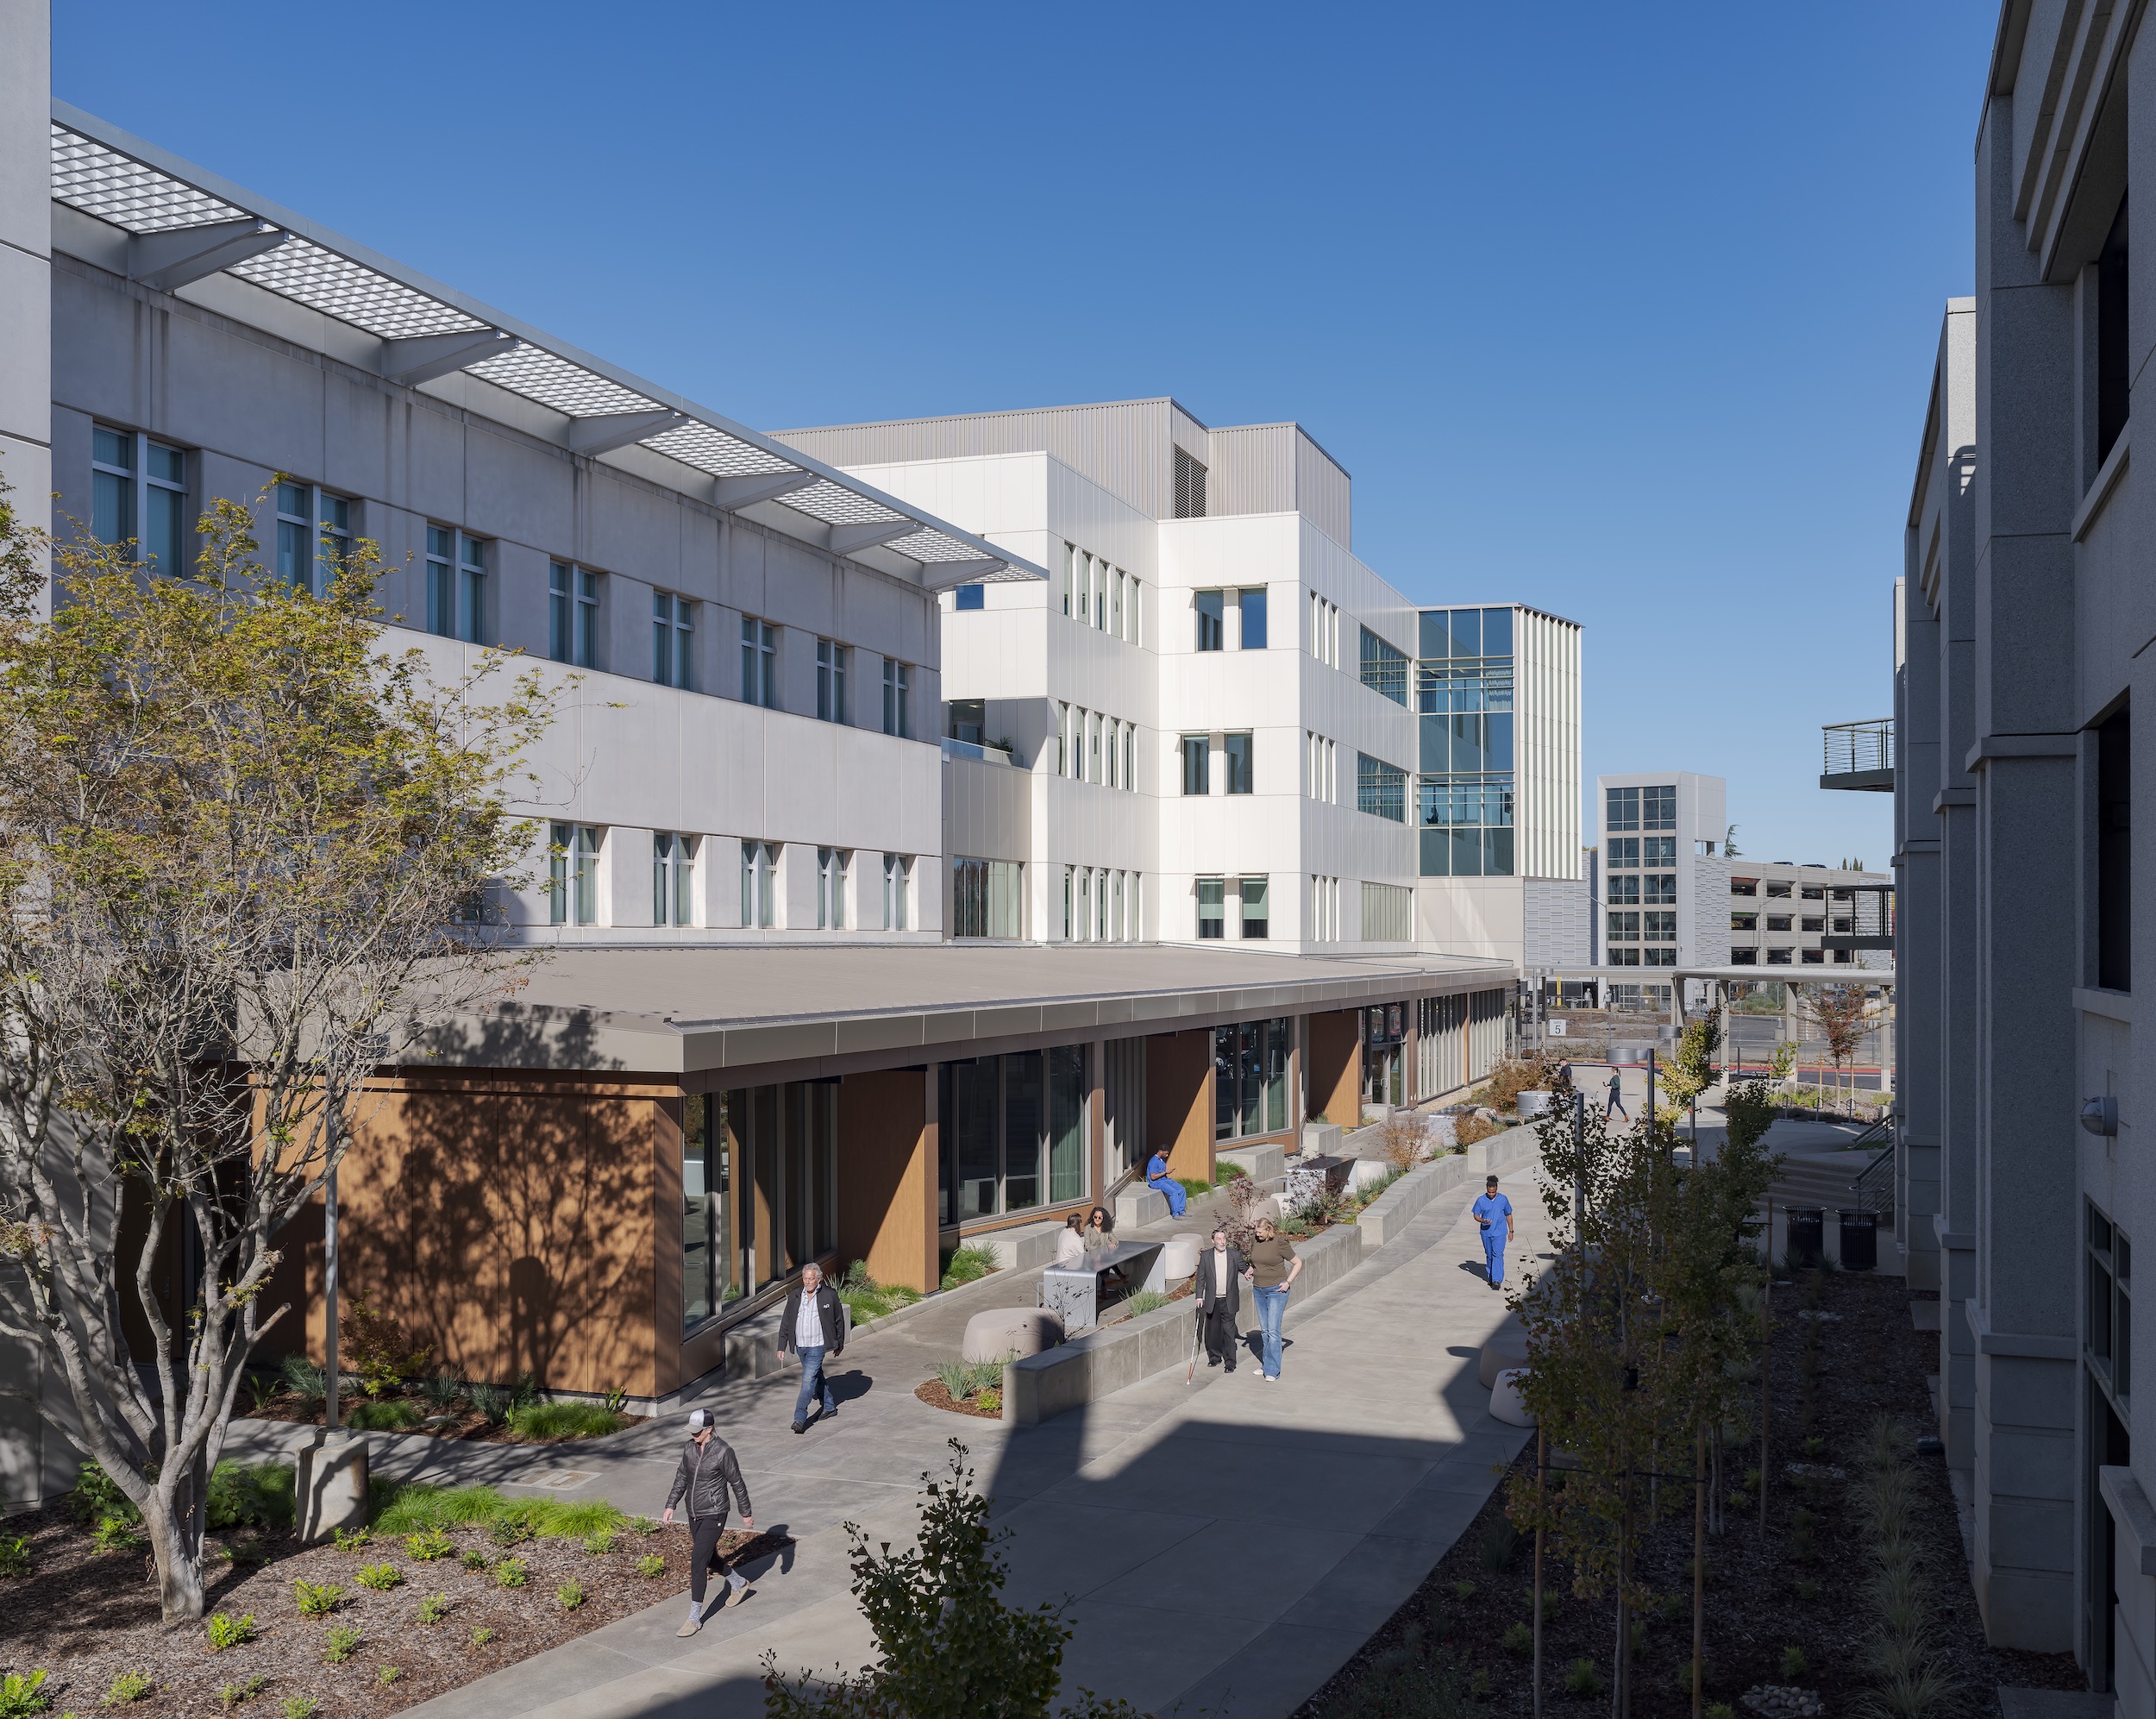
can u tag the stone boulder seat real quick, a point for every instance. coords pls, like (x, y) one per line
(1000, 1333)
(1506, 1350)
(1506, 1402)
(1179, 1258)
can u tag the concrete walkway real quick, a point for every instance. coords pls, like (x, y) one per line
(1224, 1545)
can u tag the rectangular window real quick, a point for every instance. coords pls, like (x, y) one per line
(295, 536)
(1197, 764)
(1381, 789)
(1778, 957)
(1114, 735)
(1657, 808)
(759, 663)
(831, 678)
(1657, 849)
(164, 507)
(672, 879)
(1093, 746)
(1387, 913)
(1778, 922)
(1130, 753)
(1660, 927)
(898, 882)
(1744, 922)
(759, 885)
(703, 1202)
(2114, 359)
(1744, 886)
(1063, 739)
(1624, 925)
(111, 485)
(970, 596)
(1213, 909)
(1211, 625)
(1237, 758)
(830, 889)
(1812, 892)
(1254, 618)
(1070, 580)
(898, 703)
(1624, 850)
(1015, 1130)
(1119, 626)
(1621, 891)
(1780, 891)
(441, 582)
(586, 881)
(471, 613)
(672, 639)
(1249, 1079)
(1661, 887)
(1384, 668)
(1070, 898)
(986, 897)
(1814, 957)
(1667, 957)
(561, 840)
(1622, 811)
(1257, 913)
(1812, 924)
(2114, 854)
(1744, 957)
(572, 614)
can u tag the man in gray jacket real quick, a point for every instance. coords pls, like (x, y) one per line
(1219, 1297)
(707, 1473)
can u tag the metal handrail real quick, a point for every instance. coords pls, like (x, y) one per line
(1850, 747)
(1883, 1125)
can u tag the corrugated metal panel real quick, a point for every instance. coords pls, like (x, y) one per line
(1253, 469)
(1123, 446)
(1323, 490)
(1546, 729)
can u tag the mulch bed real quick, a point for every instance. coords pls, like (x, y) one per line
(87, 1616)
(1870, 1362)
(931, 1392)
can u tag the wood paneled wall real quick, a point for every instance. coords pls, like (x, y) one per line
(1179, 1101)
(887, 1177)
(1336, 1067)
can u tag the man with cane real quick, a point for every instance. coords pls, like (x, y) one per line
(1219, 1299)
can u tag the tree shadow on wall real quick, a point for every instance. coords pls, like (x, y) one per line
(501, 1207)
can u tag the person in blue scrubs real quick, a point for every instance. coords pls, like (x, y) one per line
(1156, 1176)
(1493, 1213)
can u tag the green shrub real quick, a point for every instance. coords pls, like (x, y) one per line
(1794, 1667)
(301, 1707)
(233, 1695)
(1146, 1301)
(250, 1495)
(429, 1544)
(475, 1559)
(224, 1630)
(387, 1675)
(15, 1556)
(1553, 1604)
(342, 1642)
(546, 1423)
(441, 1390)
(97, 1495)
(129, 1686)
(1684, 1676)
(316, 1599)
(433, 1608)
(481, 1635)
(599, 1544)
(514, 1526)
(1581, 1678)
(491, 1401)
(1520, 1640)
(570, 1595)
(962, 1379)
(1807, 1588)
(1194, 1185)
(352, 1540)
(1463, 1591)
(1499, 1540)
(116, 1534)
(19, 1697)
(651, 1565)
(967, 1264)
(381, 1578)
(989, 1402)
(512, 1572)
(414, 1507)
(642, 1525)
(393, 1415)
(1720, 1710)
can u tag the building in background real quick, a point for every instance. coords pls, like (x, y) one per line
(1784, 915)
(1664, 880)
(1497, 786)
(1198, 729)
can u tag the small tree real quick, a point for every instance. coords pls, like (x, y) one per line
(1843, 1014)
(244, 854)
(946, 1643)
(1691, 1070)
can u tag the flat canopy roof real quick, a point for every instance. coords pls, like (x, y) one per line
(689, 1010)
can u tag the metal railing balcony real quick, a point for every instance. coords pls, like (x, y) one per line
(1860, 756)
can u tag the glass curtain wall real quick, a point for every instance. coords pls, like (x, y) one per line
(1013, 1133)
(1463, 702)
(1249, 1079)
(759, 1192)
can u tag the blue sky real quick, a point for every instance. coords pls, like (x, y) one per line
(1626, 313)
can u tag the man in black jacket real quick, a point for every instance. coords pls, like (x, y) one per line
(1219, 1295)
(708, 1472)
(813, 1326)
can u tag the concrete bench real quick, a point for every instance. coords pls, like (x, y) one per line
(998, 1333)
(1022, 1248)
(1138, 1205)
(1260, 1163)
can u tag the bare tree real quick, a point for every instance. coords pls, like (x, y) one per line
(246, 853)
(1843, 1014)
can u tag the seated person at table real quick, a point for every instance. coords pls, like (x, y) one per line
(1100, 1231)
(1070, 1245)
(1156, 1176)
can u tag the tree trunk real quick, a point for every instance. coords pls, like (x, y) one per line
(1699, 1574)
(178, 1549)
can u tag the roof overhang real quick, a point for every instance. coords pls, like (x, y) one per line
(183, 224)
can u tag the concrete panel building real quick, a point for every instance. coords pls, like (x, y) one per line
(2026, 611)
(811, 991)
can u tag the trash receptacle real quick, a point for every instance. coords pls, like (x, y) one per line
(1859, 1241)
(1807, 1243)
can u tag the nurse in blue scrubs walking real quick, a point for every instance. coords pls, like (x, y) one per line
(1493, 1213)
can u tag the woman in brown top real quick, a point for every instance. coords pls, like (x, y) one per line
(1274, 1269)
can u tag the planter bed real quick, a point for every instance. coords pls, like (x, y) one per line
(87, 1616)
(465, 1426)
(1870, 1362)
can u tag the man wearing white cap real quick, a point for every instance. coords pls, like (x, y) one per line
(707, 1474)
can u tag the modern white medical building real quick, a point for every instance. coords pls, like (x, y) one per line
(834, 975)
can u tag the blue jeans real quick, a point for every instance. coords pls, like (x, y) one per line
(1271, 1305)
(1493, 1253)
(812, 1379)
(1173, 1191)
